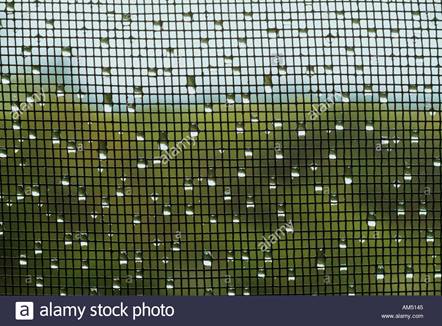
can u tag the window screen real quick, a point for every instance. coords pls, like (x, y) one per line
(220, 147)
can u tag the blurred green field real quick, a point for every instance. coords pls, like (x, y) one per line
(370, 233)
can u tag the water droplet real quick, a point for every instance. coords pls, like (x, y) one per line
(236, 218)
(5, 79)
(23, 261)
(104, 42)
(207, 258)
(136, 219)
(71, 146)
(84, 264)
(66, 51)
(60, 91)
(189, 210)
(281, 213)
(121, 191)
(268, 83)
(194, 130)
(38, 248)
(250, 202)
(409, 272)
(254, 117)
(371, 219)
(106, 71)
(248, 153)
(102, 150)
(65, 180)
(313, 166)
(211, 178)
(429, 236)
(167, 210)
(348, 177)
(278, 152)
(105, 202)
(141, 163)
(295, 172)
(32, 135)
(20, 193)
(245, 98)
(39, 281)
(423, 211)
(310, 70)
(261, 273)
(320, 260)
(227, 194)
(35, 191)
(3, 152)
(154, 196)
(204, 41)
(188, 184)
(140, 136)
(126, 19)
(407, 174)
(138, 92)
(123, 258)
(163, 141)
(158, 24)
(272, 183)
(83, 239)
(343, 268)
(50, 23)
(369, 126)
(400, 209)
(169, 283)
(230, 256)
(81, 193)
(380, 273)
(291, 275)
(108, 102)
(239, 128)
(54, 263)
(36, 69)
(351, 290)
(138, 256)
(230, 98)
(273, 32)
(60, 218)
(333, 199)
(343, 244)
(339, 126)
(191, 84)
(245, 255)
(26, 50)
(10, 7)
(68, 239)
(16, 125)
(55, 137)
(116, 284)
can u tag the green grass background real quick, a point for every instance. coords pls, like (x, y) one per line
(238, 267)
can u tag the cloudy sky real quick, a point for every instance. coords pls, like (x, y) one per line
(237, 51)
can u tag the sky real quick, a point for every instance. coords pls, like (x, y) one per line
(188, 52)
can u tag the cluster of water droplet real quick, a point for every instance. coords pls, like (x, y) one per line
(179, 202)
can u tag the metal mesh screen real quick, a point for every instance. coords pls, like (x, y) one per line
(220, 147)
